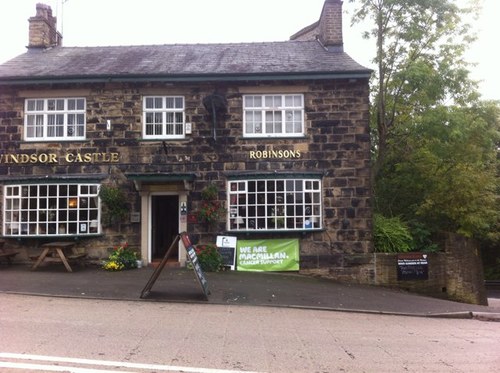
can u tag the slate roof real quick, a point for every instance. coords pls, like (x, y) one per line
(287, 59)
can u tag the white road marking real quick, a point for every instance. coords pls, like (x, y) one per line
(116, 364)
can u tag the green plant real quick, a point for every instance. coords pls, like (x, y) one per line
(209, 193)
(422, 238)
(391, 235)
(115, 203)
(122, 257)
(211, 209)
(209, 258)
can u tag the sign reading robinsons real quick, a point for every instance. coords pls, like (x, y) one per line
(268, 255)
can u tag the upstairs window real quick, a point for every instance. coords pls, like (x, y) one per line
(54, 119)
(273, 115)
(274, 204)
(164, 117)
(51, 210)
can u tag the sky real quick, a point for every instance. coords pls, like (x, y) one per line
(146, 22)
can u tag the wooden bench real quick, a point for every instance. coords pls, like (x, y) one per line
(8, 255)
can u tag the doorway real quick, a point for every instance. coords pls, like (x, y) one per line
(164, 226)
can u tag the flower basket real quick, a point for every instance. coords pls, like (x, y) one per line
(211, 209)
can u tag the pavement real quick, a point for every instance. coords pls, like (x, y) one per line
(283, 289)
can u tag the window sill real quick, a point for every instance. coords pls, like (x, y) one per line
(274, 231)
(52, 237)
(260, 138)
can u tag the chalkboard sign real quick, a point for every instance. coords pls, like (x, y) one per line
(228, 256)
(413, 266)
(193, 259)
(226, 246)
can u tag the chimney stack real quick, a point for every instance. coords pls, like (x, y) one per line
(330, 25)
(42, 29)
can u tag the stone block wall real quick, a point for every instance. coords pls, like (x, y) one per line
(336, 143)
(456, 273)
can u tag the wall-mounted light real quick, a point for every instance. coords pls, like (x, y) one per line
(73, 202)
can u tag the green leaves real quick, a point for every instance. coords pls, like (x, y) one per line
(115, 204)
(436, 145)
(443, 170)
(391, 235)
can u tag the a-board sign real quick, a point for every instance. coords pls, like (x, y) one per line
(226, 246)
(413, 266)
(193, 259)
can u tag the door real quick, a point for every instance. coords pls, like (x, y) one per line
(165, 226)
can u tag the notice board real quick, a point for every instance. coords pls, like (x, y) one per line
(226, 246)
(413, 266)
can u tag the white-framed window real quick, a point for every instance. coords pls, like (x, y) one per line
(52, 119)
(51, 209)
(274, 204)
(164, 117)
(273, 115)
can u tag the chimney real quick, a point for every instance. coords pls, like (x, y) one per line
(42, 30)
(330, 26)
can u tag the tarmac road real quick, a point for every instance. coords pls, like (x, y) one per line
(56, 333)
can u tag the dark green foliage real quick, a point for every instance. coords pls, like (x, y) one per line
(209, 257)
(391, 235)
(115, 204)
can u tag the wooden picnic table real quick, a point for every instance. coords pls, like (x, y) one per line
(58, 248)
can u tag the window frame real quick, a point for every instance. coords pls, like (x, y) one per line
(274, 204)
(164, 111)
(54, 209)
(50, 116)
(272, 111)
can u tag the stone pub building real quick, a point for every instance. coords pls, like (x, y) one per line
(281, 129)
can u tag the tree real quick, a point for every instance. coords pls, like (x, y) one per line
(435, 143)
(444, 173)
(419, 58)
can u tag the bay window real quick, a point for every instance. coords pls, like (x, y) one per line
(51, 209)
(274, 204)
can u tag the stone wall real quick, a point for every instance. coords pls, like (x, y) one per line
(454, 274)
(337, 143)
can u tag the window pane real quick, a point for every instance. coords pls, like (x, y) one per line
(80, 104)
(169, 103)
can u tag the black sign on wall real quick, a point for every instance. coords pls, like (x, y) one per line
(413, 266)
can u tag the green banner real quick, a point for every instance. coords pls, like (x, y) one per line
(268, 255)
